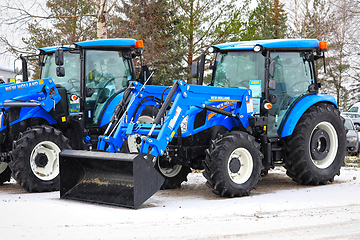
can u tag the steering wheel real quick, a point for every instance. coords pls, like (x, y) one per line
(101, 91)
(243, 83)
(297, 83)
(73, 82)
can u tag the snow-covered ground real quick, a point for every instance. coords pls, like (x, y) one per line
(278, 209)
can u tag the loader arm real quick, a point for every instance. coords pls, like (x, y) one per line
(156, 137)
(35, 94)
(41, 93)
(129, 179)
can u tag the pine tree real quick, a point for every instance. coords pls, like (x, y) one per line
(69, 23)
(207, 22)
(153, 22)
(266, 21)
(277, 20)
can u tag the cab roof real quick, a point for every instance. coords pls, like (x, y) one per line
(101, 43)
(274, 44)
(114, 42)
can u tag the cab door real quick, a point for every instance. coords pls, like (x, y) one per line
(106, 73)
(293, 76)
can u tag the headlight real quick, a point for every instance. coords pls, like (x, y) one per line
(184, 124)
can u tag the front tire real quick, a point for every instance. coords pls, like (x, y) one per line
(5, 173)
(233, 165)
(174, 175)
(35, 159)
(316, 150)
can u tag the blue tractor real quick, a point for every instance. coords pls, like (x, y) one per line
(68, 107)
(262, 110)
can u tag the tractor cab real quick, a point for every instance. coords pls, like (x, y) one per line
(91, 77)
(92, 73)
(278, 72)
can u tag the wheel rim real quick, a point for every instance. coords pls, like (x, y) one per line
(323, 145)
(3, 167)
(134, 144)
(169, 172)
(240, 165)
(134, 141)
(44, 160)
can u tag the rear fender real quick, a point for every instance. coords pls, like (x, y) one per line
(294, 114)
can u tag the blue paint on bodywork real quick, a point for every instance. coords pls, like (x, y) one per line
(115, 42)
(53, 48)
(42, 92)
(299, 109)
(110, 109)
(188, 100)
(270, 44)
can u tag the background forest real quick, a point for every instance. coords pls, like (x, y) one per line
(175, 31)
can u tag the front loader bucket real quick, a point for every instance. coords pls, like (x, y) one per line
(120, 179)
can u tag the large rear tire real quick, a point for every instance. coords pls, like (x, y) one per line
(316, 150)
(5, 173)
(233, 165)
(35, 159)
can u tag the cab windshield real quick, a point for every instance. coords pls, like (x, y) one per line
(106, 72)
(71, 80)
(238, 69)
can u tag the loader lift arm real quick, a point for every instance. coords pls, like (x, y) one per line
(129, 179)
(30, 94)
(183, 97)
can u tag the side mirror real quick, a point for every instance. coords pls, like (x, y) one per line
(357, 128)
(18, 66)
(145, 74)
(60, 71)
(272, 84)
(272, 69)
(59, 57)
(195, 69)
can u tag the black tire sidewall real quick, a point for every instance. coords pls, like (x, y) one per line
(5, 175)
(174, 181)
(299, 163)
(216, 164)
(334, 121)
(20, 163)
(252, 179)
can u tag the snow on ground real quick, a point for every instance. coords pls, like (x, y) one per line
(278, 209)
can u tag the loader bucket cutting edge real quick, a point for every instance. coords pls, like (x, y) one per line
(119, 179)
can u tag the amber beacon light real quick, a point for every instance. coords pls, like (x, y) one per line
(139, 44)
(323, 45)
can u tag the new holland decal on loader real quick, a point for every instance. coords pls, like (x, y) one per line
(262, 110)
